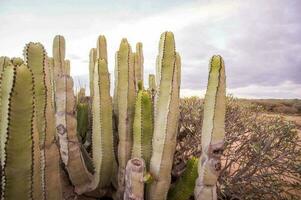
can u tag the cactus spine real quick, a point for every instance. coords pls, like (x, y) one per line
(134, 189)
(166, 118)
(126, 108)
(17, 148)
(213, 132)
(143, 126)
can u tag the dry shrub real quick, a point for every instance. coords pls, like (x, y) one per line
(262, 157)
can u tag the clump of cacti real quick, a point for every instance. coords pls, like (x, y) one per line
(133, 134)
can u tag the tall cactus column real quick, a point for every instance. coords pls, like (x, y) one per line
(213, 132)
(36, 59)
(92, 59)
(143, 126)
(59, 56)
(16, 131)
(134, 189)
(166, 118)
(138, 64)
(102, 125)
(126, 108)
(66, 126)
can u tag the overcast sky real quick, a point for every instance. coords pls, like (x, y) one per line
(260, 41)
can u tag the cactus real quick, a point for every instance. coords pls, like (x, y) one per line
(184, 187)
(4, 62)
(81, 95)
(58, 56)
(67, 67)
(82, 121)
(70, 148)
(53, 188)
(213, 131)
(35, 57)
(166, 118)
(92, 59)
(152, 86)
(138, 64)
(126, 107)
(143, 127)
(17, 61)
(134, 178)
(17, 146)
(102, 134)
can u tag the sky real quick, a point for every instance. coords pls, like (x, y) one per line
(260, 41)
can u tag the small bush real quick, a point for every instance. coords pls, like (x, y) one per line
(262, 157)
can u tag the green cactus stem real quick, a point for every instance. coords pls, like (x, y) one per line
(70, 147)
(82, 121)
(81, 95)
(4, 62)
(17, 61)
(143, 126)
(134, 178)
(36, 59)
(152, 86)
(102, 48)
(166, 118)
(213, 131)
(102, 130)
(92, 60)
(126, 108)
(184, 187)
(17, 148)
(67, 67)
(138, 64)
(58, 55)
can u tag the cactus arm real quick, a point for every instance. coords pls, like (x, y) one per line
(143, 127)
(67, 67)
(166, 119)
(34, 54)
(184, 187)
(53, 184)
(126, 103)
(138, 64)
(102, 48)
(82, 121)
(92, 59)
(17, 180)
(213, 131)
(58, 55)
(6, 86)
(66, 130)
(36, 59)
(134, 189)
(152, 88)
(4, 62)
(17, 61)
(102, 137)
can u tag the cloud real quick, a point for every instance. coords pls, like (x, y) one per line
(259, 40)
